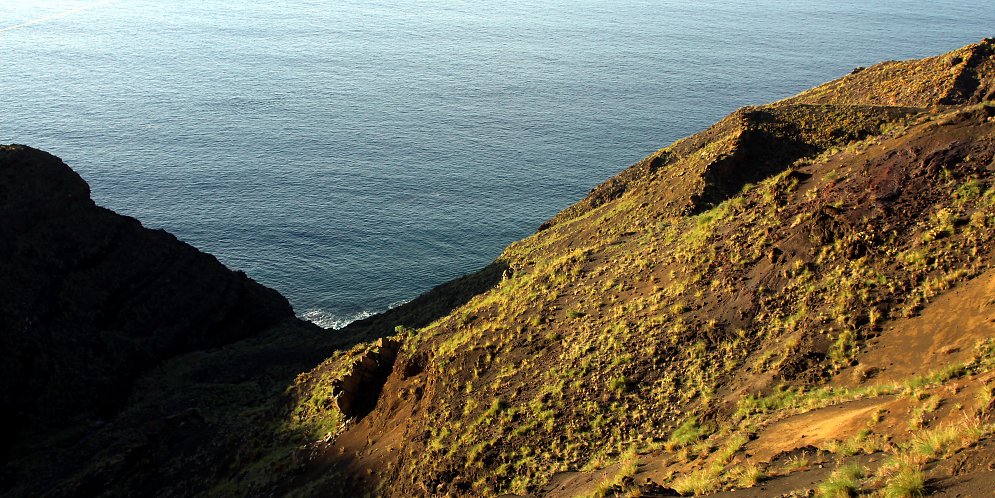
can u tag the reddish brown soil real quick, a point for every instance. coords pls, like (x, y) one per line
(943, 334)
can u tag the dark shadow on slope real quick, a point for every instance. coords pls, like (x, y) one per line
(90, 300)
(967, 87)
(201, 420)
(134, 364)
(761, 152)
(773, 138)
(357, 392)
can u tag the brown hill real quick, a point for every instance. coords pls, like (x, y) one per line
(665, 325)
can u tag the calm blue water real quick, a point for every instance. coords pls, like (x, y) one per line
(353, 154)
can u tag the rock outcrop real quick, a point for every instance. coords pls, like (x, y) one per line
(91, 299)
(357, 391)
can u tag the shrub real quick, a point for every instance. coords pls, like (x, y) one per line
(907, 482)
(697, 483)
(686, 434)
(842, 483)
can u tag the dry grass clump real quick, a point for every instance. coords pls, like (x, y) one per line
(844, 482)
(903, 476)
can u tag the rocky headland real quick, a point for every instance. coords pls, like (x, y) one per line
(798, 300)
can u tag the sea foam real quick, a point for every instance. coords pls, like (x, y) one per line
(328, 320)
(334, 321)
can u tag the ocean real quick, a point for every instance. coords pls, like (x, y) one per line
(354, 154)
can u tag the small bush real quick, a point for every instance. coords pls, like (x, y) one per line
(620, 383)
(842, 483)
(749, 475)
(697, 483)
(686, 434)
(936, 443)
(907, 482)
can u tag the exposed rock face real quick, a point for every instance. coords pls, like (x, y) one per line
(356, 393)
(90, 299)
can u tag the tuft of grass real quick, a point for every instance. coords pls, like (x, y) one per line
(696, 483)
(877, 416)
(735, 444)
(620, 383)
(946, 440)
(575, 314)
(798, 462)
(687, 433)
(906, 482)
(862, 442)
(748, 475)
(844, 348)
(985, 396)
(939, 442)
(918, 418)
(628, 465)
(842, 483)
(967, 192)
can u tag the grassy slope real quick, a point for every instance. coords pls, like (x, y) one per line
(710, 290)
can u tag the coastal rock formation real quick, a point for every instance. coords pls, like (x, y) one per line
(797, 298)
(91, 299)
(132, 364)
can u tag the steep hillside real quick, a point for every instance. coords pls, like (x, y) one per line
(82, 282)
(798, 300)
(132, 364)
(712, 318)
(100, 318)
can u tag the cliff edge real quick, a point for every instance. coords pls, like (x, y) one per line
(92, 299)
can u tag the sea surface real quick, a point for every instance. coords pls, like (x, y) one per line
(354, 154)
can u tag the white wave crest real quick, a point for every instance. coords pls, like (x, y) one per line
(329, 320)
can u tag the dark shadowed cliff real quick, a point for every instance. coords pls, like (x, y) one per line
(100, 318)
(92, 299)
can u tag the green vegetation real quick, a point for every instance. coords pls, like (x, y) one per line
(679, 293)
(696, 483)
(627, 467)
(747, 476)
(843, 483)
(686, 434)
(906, 482)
